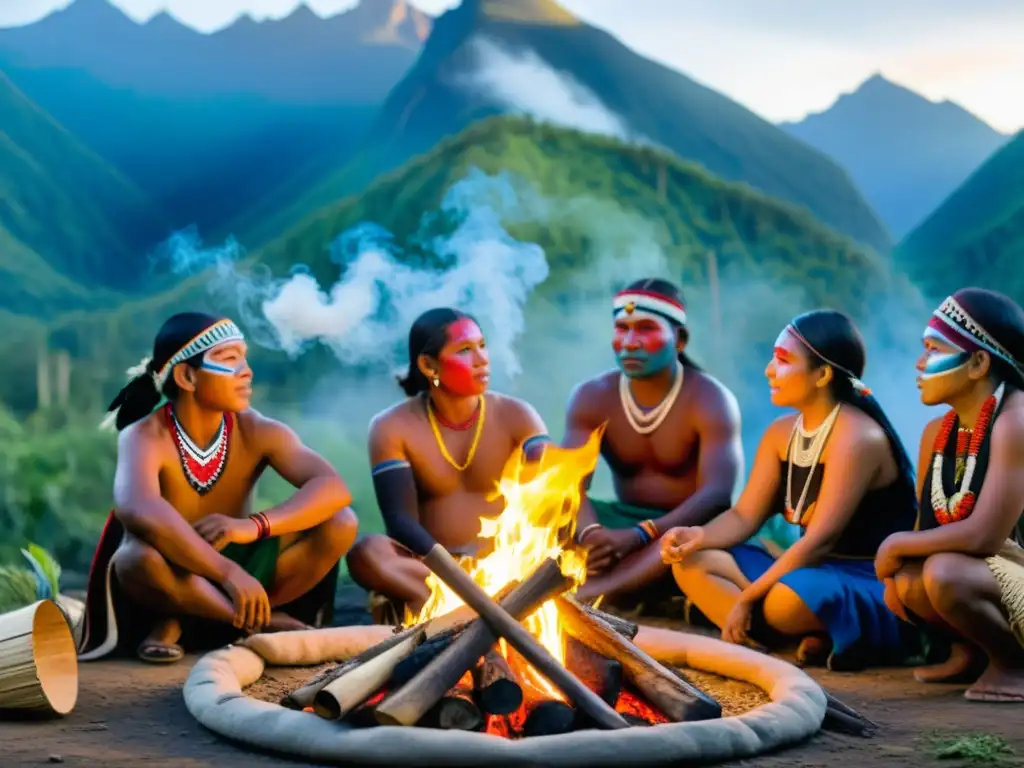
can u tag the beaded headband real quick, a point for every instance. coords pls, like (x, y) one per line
(633, 299)
(219, 333)
(956, 325)
(859, 386)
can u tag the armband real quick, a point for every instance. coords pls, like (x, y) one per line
(395, 487)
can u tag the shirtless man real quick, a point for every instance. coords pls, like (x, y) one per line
(672, 442)
(183, 542)
(437, 456)
(961, 574)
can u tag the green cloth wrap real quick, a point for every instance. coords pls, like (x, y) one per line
(259, 559)
(616, 515)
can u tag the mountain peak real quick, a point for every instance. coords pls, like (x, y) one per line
(389, 21)
(547, 12)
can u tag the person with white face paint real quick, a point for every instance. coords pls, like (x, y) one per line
(961, 575)
(183, 553)
(836, 469)
(671, 440)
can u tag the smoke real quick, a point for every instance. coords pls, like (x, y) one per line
(523, 83)
(547, 316)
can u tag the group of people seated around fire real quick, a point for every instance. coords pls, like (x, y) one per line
(884, 569)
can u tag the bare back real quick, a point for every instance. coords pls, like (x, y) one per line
(659, 470)
(451, 502)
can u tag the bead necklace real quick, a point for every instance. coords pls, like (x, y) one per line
(805, 457)
(433, 419)
(202, 467)
(645, 422)
(958, 506)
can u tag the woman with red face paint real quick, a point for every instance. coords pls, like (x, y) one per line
(961, 575)
(837, 470)
(437, 457)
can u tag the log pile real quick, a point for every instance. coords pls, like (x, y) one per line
(460, 674)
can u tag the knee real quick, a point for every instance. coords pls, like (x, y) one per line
(905, 583)
(365, 558)
(694, 568)
(943, 581)
(338, 532)
(140, 570)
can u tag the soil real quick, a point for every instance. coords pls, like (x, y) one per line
(129, 712)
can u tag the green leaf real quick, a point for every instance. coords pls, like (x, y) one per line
(47, 571)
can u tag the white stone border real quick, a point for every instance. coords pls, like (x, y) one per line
(213, 694)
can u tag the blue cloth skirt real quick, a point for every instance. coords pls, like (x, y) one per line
(847, 598)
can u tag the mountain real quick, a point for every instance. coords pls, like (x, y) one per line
(610, 196)
(455, 81)
(976, 237)
(64, 211)
(906, 153)
(207, 123)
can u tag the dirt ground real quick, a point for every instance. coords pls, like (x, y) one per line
(129, 712)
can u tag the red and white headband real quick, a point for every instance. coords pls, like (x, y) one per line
(955, 325)
(633, 299)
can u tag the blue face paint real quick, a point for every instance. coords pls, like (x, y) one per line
(645, 351)
(220, 369)
(940, 363)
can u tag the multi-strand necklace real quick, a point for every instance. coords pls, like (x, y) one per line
(478, 419)
(805, 455)
(645, 422)
(202, 467)
(958, 506)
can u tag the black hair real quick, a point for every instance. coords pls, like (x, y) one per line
(674, 293)
(1003, 319)
(140, 396)
(428, 335)
(834, 340)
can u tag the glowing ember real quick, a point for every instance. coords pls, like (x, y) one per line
(541, 502)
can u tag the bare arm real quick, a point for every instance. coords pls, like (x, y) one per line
(718, 463)
(742, 521)
(580, 422)
(145, 514)
(998, 507)
(321, 491)
(529, 430)
(395, 485)
(855, 457)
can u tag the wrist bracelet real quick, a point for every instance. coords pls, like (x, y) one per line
(262, 524)
(644, 536)
(651, 529)
(582, 534)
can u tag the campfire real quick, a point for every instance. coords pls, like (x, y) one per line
(447, 668)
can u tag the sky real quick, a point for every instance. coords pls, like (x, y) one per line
(780, 58)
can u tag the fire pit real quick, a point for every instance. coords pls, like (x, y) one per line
(542, 679)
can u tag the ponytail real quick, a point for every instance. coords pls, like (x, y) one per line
(136, 400)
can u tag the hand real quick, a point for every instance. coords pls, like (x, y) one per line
(888, 560)
(892, 600)
(252, 606)
(737, 623)
(221, 530)
(679, 543)
(606, 546)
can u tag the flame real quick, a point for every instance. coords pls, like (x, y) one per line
(541, 502)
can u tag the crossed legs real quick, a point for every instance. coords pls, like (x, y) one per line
(148, 578)
(958, 594)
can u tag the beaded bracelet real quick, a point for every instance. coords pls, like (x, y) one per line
(262, 525)
(650, 528)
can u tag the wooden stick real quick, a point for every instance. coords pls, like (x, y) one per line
(627, 629)
(345, 693)
(600, 674)
(411, 665)
(440, 561)
(410, 702)
(456, 710)
(667, 690)
(497, 689)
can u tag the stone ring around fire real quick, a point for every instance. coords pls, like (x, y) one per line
(214, 696)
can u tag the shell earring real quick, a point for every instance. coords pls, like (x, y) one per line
(436, 381)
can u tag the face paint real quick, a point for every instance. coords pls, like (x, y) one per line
(465, 369)
(644, 343)
(941, 363)
(222, 368)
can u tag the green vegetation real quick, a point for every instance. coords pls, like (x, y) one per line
(976, 237)
(62, 202)
(972, 748)
(654, 101)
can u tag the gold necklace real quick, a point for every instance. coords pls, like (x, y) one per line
(440, 440)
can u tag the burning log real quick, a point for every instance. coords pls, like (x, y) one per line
(444, 566)
(412, 664)
(456, 710)
(627, 629)
(347, 691)
(497, 690)
(541, 714)
(408, 704)
(600, 674)
(665, 689)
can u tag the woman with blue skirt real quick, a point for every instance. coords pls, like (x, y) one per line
(836, 469)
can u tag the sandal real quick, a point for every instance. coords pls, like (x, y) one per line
(160, 653)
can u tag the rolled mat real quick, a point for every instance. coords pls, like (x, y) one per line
(213, 694)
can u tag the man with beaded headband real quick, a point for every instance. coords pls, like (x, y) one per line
(672, 441)
(182, 551)
(436, 459)
(962, 573)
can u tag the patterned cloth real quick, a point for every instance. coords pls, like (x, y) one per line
(1008, 569)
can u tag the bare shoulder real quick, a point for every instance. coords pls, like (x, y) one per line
(779, 432)
(711, 396)
(1008, 429)
(931, 431)
(591, 395)
(857, 432)
(520, 416)
(394, 420)
(146, 434)
(263, 430)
